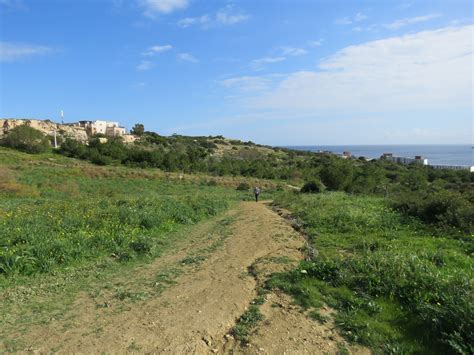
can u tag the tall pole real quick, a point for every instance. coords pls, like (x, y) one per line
(62, 116)
(55, 140)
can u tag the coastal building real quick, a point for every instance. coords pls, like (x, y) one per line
(453, 167)
(405, 160)
(422, 161)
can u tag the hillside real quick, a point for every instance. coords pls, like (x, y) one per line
(156, 246)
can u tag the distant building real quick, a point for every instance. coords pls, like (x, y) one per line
(422, 161)
(404, 160)
(107, 128)
(453, 167)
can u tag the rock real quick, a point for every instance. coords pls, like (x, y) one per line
(207, 339)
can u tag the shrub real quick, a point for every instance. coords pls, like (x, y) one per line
(444, 208)
(312, 187)
(97, 158)
(72, 148)
(337, 175)
(27, 139)
(243, 186)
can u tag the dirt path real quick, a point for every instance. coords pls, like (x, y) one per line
(189, 300)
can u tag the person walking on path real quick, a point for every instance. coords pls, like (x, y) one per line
(256, 191)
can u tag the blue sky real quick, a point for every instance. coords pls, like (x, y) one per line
(282, 72)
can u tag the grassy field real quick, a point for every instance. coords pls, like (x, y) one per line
(398, 287)
(55, 214)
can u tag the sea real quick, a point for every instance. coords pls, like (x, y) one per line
(446, 154)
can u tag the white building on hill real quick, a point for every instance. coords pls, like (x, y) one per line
(107, 128)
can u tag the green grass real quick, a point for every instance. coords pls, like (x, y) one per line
(246, 323)
(54, 216)
(397, 287)
(67, 226)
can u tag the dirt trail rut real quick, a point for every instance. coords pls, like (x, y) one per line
(196, 310)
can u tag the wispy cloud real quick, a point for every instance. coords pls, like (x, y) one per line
(316, 43)
(348, 20)
(192, 21)
(247, 83)
(151, 51)
(10, 52)
(144, 65)
(226, 16)
(153, 8)
(187, 57)
(292, 51)
(260, 63)
(410, 21)
(387, 75)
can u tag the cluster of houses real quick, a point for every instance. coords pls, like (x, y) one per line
(107, 128)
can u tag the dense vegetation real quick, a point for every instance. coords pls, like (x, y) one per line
(27, 139)
(441, 197)
(397, 286)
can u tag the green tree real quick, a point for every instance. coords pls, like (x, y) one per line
(138, 129)
(337, 174)
(27, 139)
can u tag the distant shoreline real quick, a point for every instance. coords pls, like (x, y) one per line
(437, 154)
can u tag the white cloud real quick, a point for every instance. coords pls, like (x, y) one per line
(259, 64)
(360, 17)
(157, 49)
(348, 20)
(144, 65)
(292, 51)
(187, 57)
(343, 21)
(192, 21)
(409, 21)
(247, 83)
(425, 70)
(224, 17)
(10, 52)
(316, 43)
(152, 8)
(227, 16)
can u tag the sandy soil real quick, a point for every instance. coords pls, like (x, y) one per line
(195, 310)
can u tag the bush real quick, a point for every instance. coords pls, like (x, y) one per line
(337, 175)
(444, 208)
(243, 186)
(312, 187)
(26, 139)
(73, 148)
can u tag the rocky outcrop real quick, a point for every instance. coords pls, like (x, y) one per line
(47, 127)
